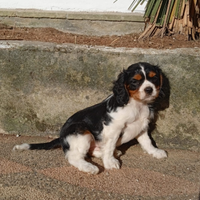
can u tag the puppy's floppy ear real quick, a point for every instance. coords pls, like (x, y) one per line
(161, 78)
(119, 90)
(162, 102)
(160, 73)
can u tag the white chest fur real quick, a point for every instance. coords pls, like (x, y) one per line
(129, 121)
(132, 120)
(133, 112)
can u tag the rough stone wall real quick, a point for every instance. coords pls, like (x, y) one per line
(42, 84)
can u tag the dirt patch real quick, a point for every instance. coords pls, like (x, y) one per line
(129, 41)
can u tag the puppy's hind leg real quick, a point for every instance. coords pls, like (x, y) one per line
(79, 146)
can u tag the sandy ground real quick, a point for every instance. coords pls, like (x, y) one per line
(47, 175)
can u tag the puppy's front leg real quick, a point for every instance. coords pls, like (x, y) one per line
(146, 144)
(110, 162)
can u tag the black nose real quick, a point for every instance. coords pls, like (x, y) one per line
(148, 90)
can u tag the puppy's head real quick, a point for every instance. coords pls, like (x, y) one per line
(141, 81)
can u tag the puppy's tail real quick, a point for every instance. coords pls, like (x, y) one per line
(46, 146)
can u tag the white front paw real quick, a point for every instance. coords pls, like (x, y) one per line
(159, 153)
(111, 163)
(91, 169)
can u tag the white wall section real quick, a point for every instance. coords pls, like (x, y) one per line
(72, 5)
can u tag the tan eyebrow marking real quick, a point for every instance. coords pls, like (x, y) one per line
(137, 77)
(152, 74)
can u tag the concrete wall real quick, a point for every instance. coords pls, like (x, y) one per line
(42, 84)
(85, 23)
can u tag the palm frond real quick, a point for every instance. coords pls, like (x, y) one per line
(170, 17)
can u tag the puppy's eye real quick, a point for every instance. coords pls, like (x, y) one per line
(132, 87)
(134, 84)
(133, 81)
(155, 77)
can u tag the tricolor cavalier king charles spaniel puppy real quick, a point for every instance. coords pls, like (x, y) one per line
(121, 117)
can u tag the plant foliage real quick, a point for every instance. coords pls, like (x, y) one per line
(170, 17)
